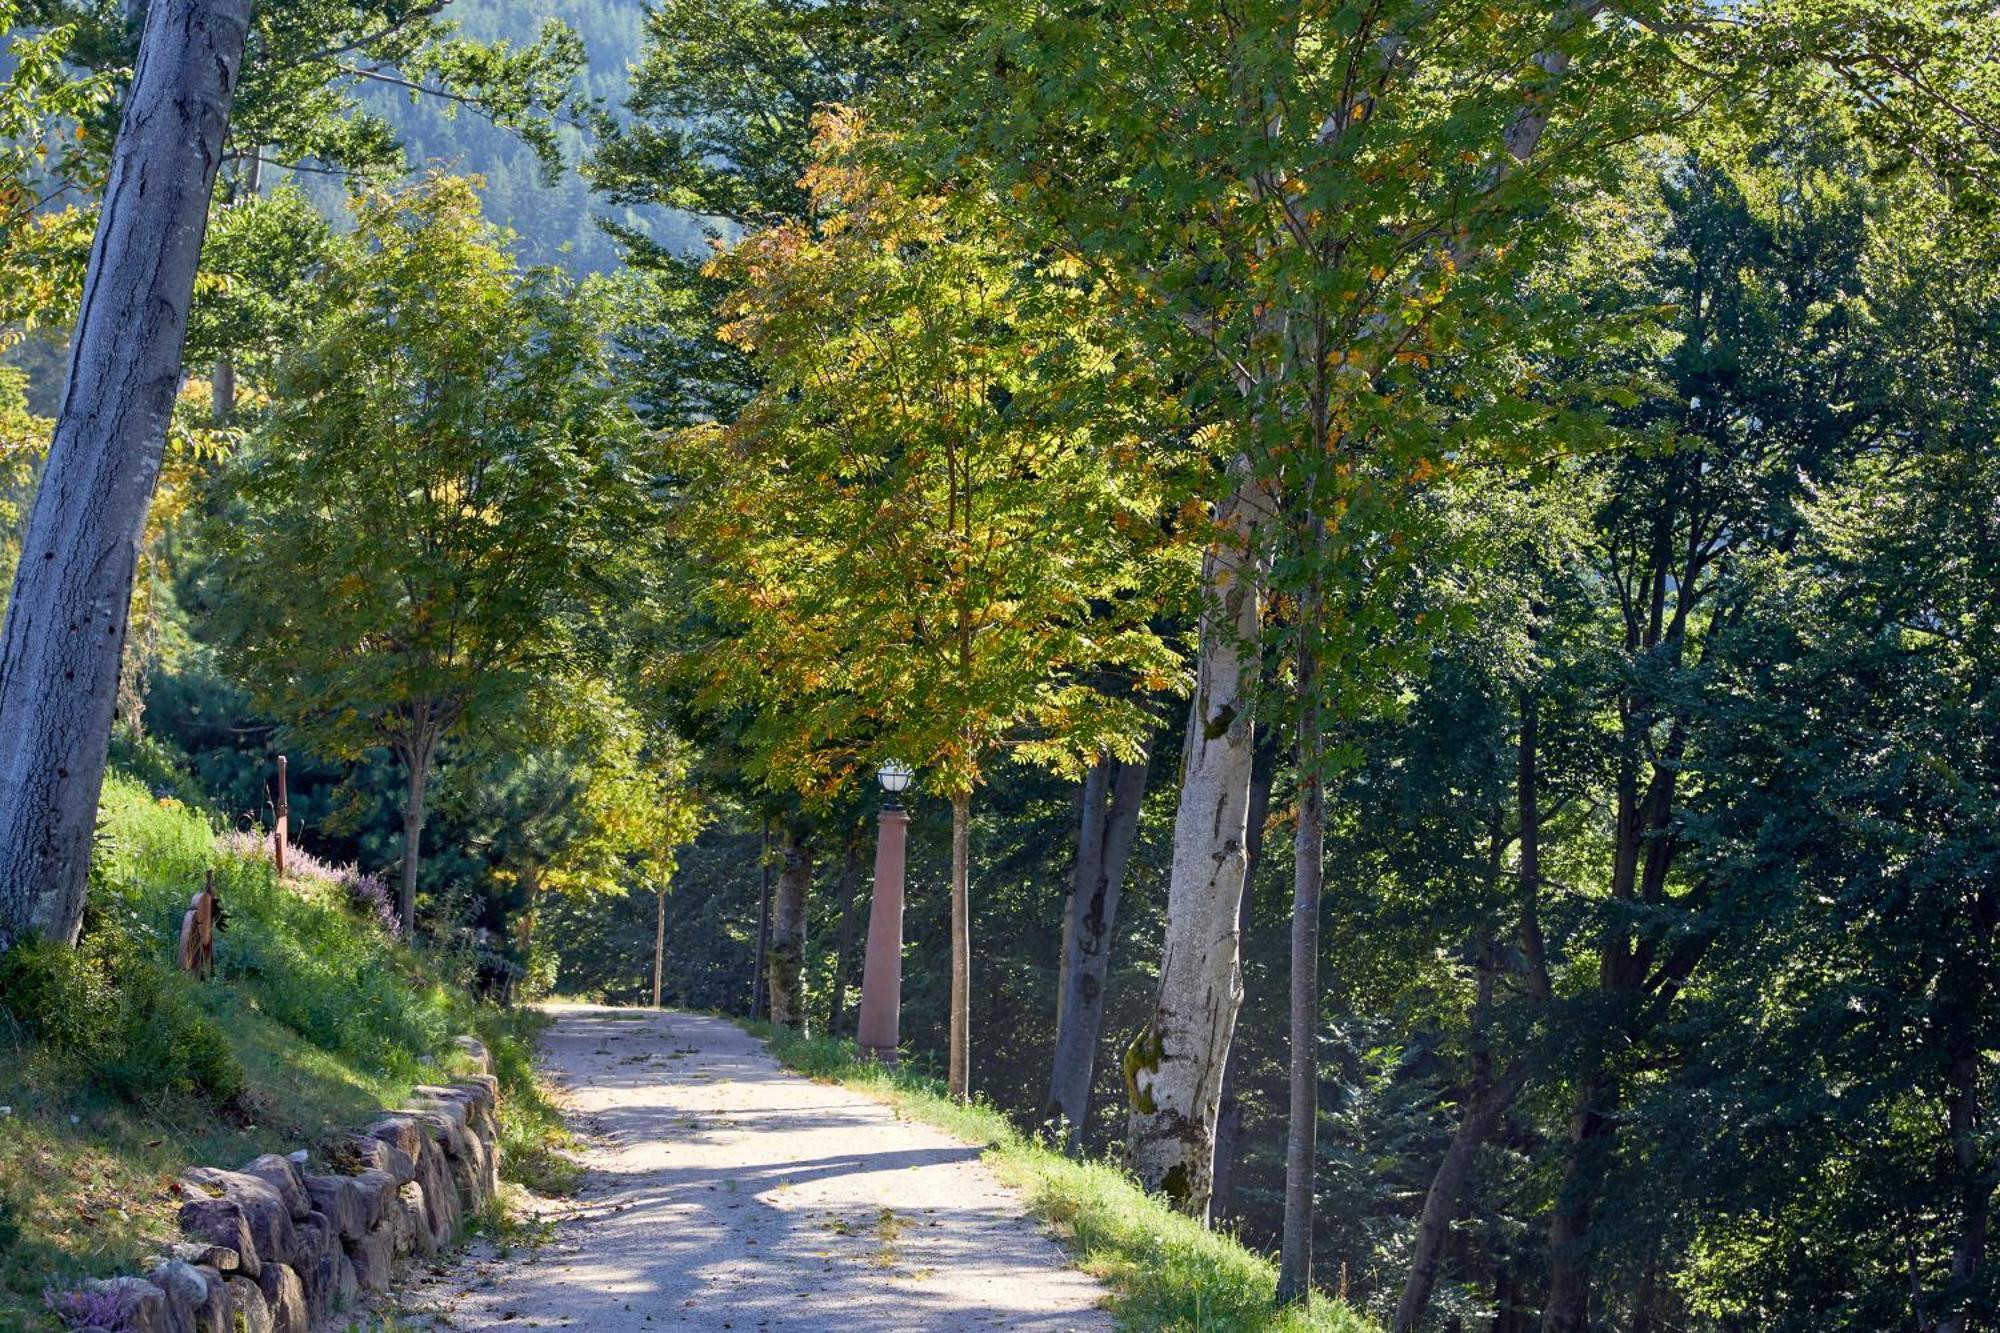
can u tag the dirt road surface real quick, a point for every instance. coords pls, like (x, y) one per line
(725, 1193)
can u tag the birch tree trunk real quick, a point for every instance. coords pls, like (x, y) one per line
(785, 963)
(959, 1073)
(66, 621)
(1093, 912)
(1229, 1112)
(1173, 1069)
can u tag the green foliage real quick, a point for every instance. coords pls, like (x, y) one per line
(132, 1023)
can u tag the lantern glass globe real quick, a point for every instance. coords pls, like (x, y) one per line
(895, 777)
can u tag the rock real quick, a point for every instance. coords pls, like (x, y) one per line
(317, 1238)
(382, 1155)
(330, 1286)
(217, 1312)
(422, 1229)
(476, 1048)
(281, 1175)
(253, 1312)
(264, 1208)
(186, 1290)
(374, 1191)
(400, 1130)
(286, 1297)
(221, 1224)
(339, 1197)
(440, 1194)
(371, 1255)
(201, 1254)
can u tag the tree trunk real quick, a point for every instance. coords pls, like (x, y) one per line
(659, 942)
(1173, 1069)
(1093, 913)
(1965, 1119)
(1229, 1112)
(417, 763)
(959, 1072)
(763, 922)
(1568, 1308)
(1308, 873)
(66, 620)
(1441, 1203)
(787, 958)
(843, 948)
(1090, 800)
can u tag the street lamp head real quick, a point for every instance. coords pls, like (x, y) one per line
(895, 777)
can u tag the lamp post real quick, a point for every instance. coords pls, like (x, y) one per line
(882, 973)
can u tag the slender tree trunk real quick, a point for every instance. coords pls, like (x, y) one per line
(843, 949)
(763, 922)
(787, 958)
(1173, 1069)
(417, 765)
(222, 383)
(1229, 1112)
(1090, 800)
(66, 619)
(659, 941)
(1093, 914)
(959, 1072)
(1442, 1202)
(1295, 1252)
(1966, 1126)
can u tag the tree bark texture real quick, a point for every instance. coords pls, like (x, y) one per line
(1295, 1251)
(763, 922)
(1229, 1112)
(1104, 850)
(787, 958)
(1090, 800)
(959, 1071)
(417, 770)
(1173, 1069)
(66, 622)
(843, 948)
(659, 941)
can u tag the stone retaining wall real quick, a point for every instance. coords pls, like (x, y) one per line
(276, 1248)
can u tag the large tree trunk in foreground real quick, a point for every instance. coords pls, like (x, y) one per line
(843, 948)
(66, 620)
(1308, 878)
(1104, 849)
(1173, 1069)
(787, 958)
(959, 1070)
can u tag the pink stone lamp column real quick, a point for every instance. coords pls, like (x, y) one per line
(882, 973)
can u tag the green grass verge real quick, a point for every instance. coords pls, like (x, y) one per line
(117, 1072)
(1165, 1271)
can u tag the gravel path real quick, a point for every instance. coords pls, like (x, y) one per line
(725, 1193)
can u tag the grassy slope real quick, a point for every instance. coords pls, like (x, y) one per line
(329, 1020)
(1167, 1272)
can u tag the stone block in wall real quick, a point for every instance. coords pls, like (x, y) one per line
(371, 1255)
(421, 1234)
(381, 1155)
(281, 1175)
(253, 1312)
(186, 1290)
(476, 1048)
(201, 1254)
(286, 1297)
(264, 1208)
(221, 1223)
(339, 1198)
(374, 1192)
(217, 1312)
